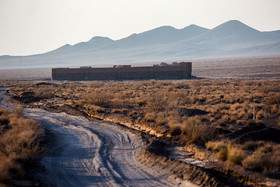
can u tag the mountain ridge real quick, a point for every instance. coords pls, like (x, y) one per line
(232, 38)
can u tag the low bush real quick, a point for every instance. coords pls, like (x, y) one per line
(261, 161)
(222, 155)
(44, 93)
(99, 98)
(259, 156)
(157, 103)
(197, 131)
(235, 155)
(273, 98)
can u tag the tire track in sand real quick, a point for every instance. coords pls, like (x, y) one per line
(88, 153)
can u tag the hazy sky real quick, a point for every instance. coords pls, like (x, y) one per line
(37, 26)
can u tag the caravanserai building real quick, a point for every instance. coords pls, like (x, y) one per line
(182, 70)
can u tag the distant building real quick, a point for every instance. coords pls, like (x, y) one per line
(182, 70)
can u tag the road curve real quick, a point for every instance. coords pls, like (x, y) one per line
(88, 153)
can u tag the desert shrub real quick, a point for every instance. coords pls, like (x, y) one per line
(235, 106)
(265, 158)
(215, 145)
(99, 98)
(259, 156)
(175, 100)
(125, 103)
(20, 142)
(197, 132)
(260, 114)
(96, 109)
(242, 114)
(225, 118)
(44, 93)
(228, 98)
(222, 155)
(221, 147)
(231, 153)
(235, 155)
(157, 103)
(273, 98)
(272, 87)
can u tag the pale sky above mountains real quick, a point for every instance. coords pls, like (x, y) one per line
(37, 26)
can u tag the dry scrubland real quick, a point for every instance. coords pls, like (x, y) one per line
(20, 141)
(234, 120)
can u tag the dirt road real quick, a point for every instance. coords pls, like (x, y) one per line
(88, 153)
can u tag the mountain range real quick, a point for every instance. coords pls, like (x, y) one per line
(230, 39)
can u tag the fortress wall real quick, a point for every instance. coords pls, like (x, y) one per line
(181, 71)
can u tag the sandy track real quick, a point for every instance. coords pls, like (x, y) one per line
(88, 153)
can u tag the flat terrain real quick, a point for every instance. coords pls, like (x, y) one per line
(209, 68)
(25, 74)
(237, 67)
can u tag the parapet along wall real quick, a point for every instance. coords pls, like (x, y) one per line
(163, 71)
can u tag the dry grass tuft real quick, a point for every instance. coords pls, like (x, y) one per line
(259, 156)
(19, 142)
(265, 158)
(197, 131)
(235, 155)
(99, 98)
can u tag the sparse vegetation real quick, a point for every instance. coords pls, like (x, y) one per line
(235, 118)
(197, 131)
(20, 140)
(255, 155)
